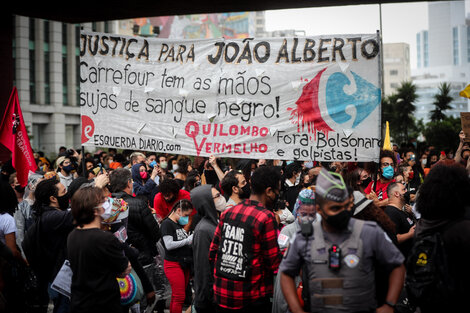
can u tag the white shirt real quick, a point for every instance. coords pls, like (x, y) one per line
(7, 225)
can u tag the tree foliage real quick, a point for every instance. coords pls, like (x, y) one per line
(441, 103)
(398, 109)
(443, 134)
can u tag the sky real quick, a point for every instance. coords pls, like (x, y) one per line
(400, 21)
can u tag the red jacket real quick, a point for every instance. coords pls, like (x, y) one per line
(163, 208)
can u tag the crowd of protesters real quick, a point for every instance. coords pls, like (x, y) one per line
(219, 235)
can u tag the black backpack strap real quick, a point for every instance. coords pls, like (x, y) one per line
(305, 287)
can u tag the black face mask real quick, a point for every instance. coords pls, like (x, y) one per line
(339, 221)
(63, 202)
(19, 189)
(246, 191)
(366, 182)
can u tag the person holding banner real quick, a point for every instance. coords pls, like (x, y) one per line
(244, 252)
(178, 252)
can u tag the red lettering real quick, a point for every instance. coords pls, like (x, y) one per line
(254, 131)
(206, 129)
(237, 148)
(245, 130)
(199, 148)
(216, 147)
(244, 149)
(254, 146)
(226, 147)
(233, 130)
(221, 132)
(263, 148)
(208, 147)
(264, 131)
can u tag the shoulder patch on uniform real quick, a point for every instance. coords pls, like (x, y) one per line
(282, 240)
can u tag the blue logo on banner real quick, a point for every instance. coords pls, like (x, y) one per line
(365, 99)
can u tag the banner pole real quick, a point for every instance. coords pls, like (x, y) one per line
(83, 162)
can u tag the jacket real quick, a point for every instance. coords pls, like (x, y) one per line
(147, 190)
(201, 197)
(142, 227)
(54, 230)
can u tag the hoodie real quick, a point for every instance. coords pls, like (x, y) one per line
(201, 197)
(141, 189)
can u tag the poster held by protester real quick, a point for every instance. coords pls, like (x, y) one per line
(303, 98)
(465, 120)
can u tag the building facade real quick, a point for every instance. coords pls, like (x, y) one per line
(46, 55)
(397, 68)
(443, 55)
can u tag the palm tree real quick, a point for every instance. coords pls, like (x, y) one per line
(441, 102)
(402, 104)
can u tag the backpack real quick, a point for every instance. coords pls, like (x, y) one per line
(428, 281)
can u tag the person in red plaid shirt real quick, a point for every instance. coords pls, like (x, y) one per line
(244, 251)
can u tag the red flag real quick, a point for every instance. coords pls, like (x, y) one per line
(14, 136)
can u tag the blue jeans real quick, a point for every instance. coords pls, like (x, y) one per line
(61, 302)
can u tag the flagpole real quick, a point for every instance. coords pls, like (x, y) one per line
(83, 162)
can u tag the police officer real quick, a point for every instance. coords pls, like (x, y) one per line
(338, 257)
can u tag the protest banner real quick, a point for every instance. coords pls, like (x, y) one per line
(306, 98)
(465, 121)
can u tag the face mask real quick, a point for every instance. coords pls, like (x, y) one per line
(143, 175)
(411, 175)
(19, 189)
(297, 180)
(68, 168)
(63, 202)
(309, 164)
(339, 221)
(175, 167)
(107, 206)
(366, 182)
(164, 164)
(246, 191)
(388, 172)
(183, 220)
(286, 216)
(424, 161)
(220, 204)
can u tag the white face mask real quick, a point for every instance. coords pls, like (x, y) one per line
(107, 206)
(286, 217)
(220, 204)
(175, 167)
(297, 179)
